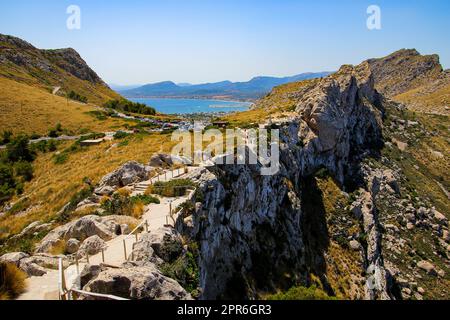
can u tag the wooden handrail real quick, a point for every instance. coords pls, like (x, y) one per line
(99, 295)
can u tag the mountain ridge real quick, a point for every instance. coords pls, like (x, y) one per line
(253, 89)
(49, 68)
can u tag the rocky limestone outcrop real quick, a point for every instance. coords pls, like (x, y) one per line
(250, 227)
(92, 246)
(36, 265)
(135, 282)
(404, 70)
(167, 160)
(80, 229)
(130, 172)
(163, 244)
(379, 281)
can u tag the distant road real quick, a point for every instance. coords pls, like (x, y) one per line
(55, 91)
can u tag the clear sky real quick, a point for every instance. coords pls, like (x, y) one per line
(144, 41)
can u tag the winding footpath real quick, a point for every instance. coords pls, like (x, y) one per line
(156, 215)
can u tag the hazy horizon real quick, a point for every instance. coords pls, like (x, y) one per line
(140, 42)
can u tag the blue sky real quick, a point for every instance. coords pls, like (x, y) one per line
(138, 41)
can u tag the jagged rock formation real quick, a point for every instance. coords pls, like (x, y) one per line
(404, 70)
(36, 265)
(130, 172)
(415, 79)
(81, 229)
(250, 227)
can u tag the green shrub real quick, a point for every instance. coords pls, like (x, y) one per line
(6, 137)
(60, 158)
(7, 182)
(129, 106)
(19, 150)
(74, 201)
(120, 135)
(24, 169)
(184, 270)
(77, 97)
(119, 204)
(302, 293)
(145, 199)
(53, 133)
(173, 188)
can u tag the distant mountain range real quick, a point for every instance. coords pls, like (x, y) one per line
(254, 89)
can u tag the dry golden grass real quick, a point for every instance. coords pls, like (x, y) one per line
(12, 281)
(344, 265)
(429, 99)
(138, 210)
(54, 185)
(59, 248)
(31, 110)
(277, 104)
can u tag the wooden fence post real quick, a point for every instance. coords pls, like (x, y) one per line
(76, 262)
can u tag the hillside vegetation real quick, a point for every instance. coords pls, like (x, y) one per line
(417, 80)
(50, 69)
(28, 109)
(55, 183)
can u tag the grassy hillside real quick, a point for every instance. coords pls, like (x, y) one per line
(58, 179)
(48, 69)
(30, 110)
(431, 98)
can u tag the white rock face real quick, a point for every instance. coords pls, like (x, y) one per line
(72, 246)
(130, 172)
(13, 258)
(140, 282)
(163, 244)
(250, 226)
(92, 246)
(80, 229)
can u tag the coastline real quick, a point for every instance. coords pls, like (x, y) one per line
(251, 101)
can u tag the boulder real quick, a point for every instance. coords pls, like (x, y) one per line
(141, 283)
(164, 242)
(13, 258)
(439, 217)
(72, 246)
(117, 223)
(446, 235)
(130, 172)
(80, 229)
(90, 272)
(33, 228)
(354, 245)
(33, 270)
(92, 245)
(38, 265)
(428, 267)
(167, 160)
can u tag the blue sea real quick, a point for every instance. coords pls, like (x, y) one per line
(183, 106)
